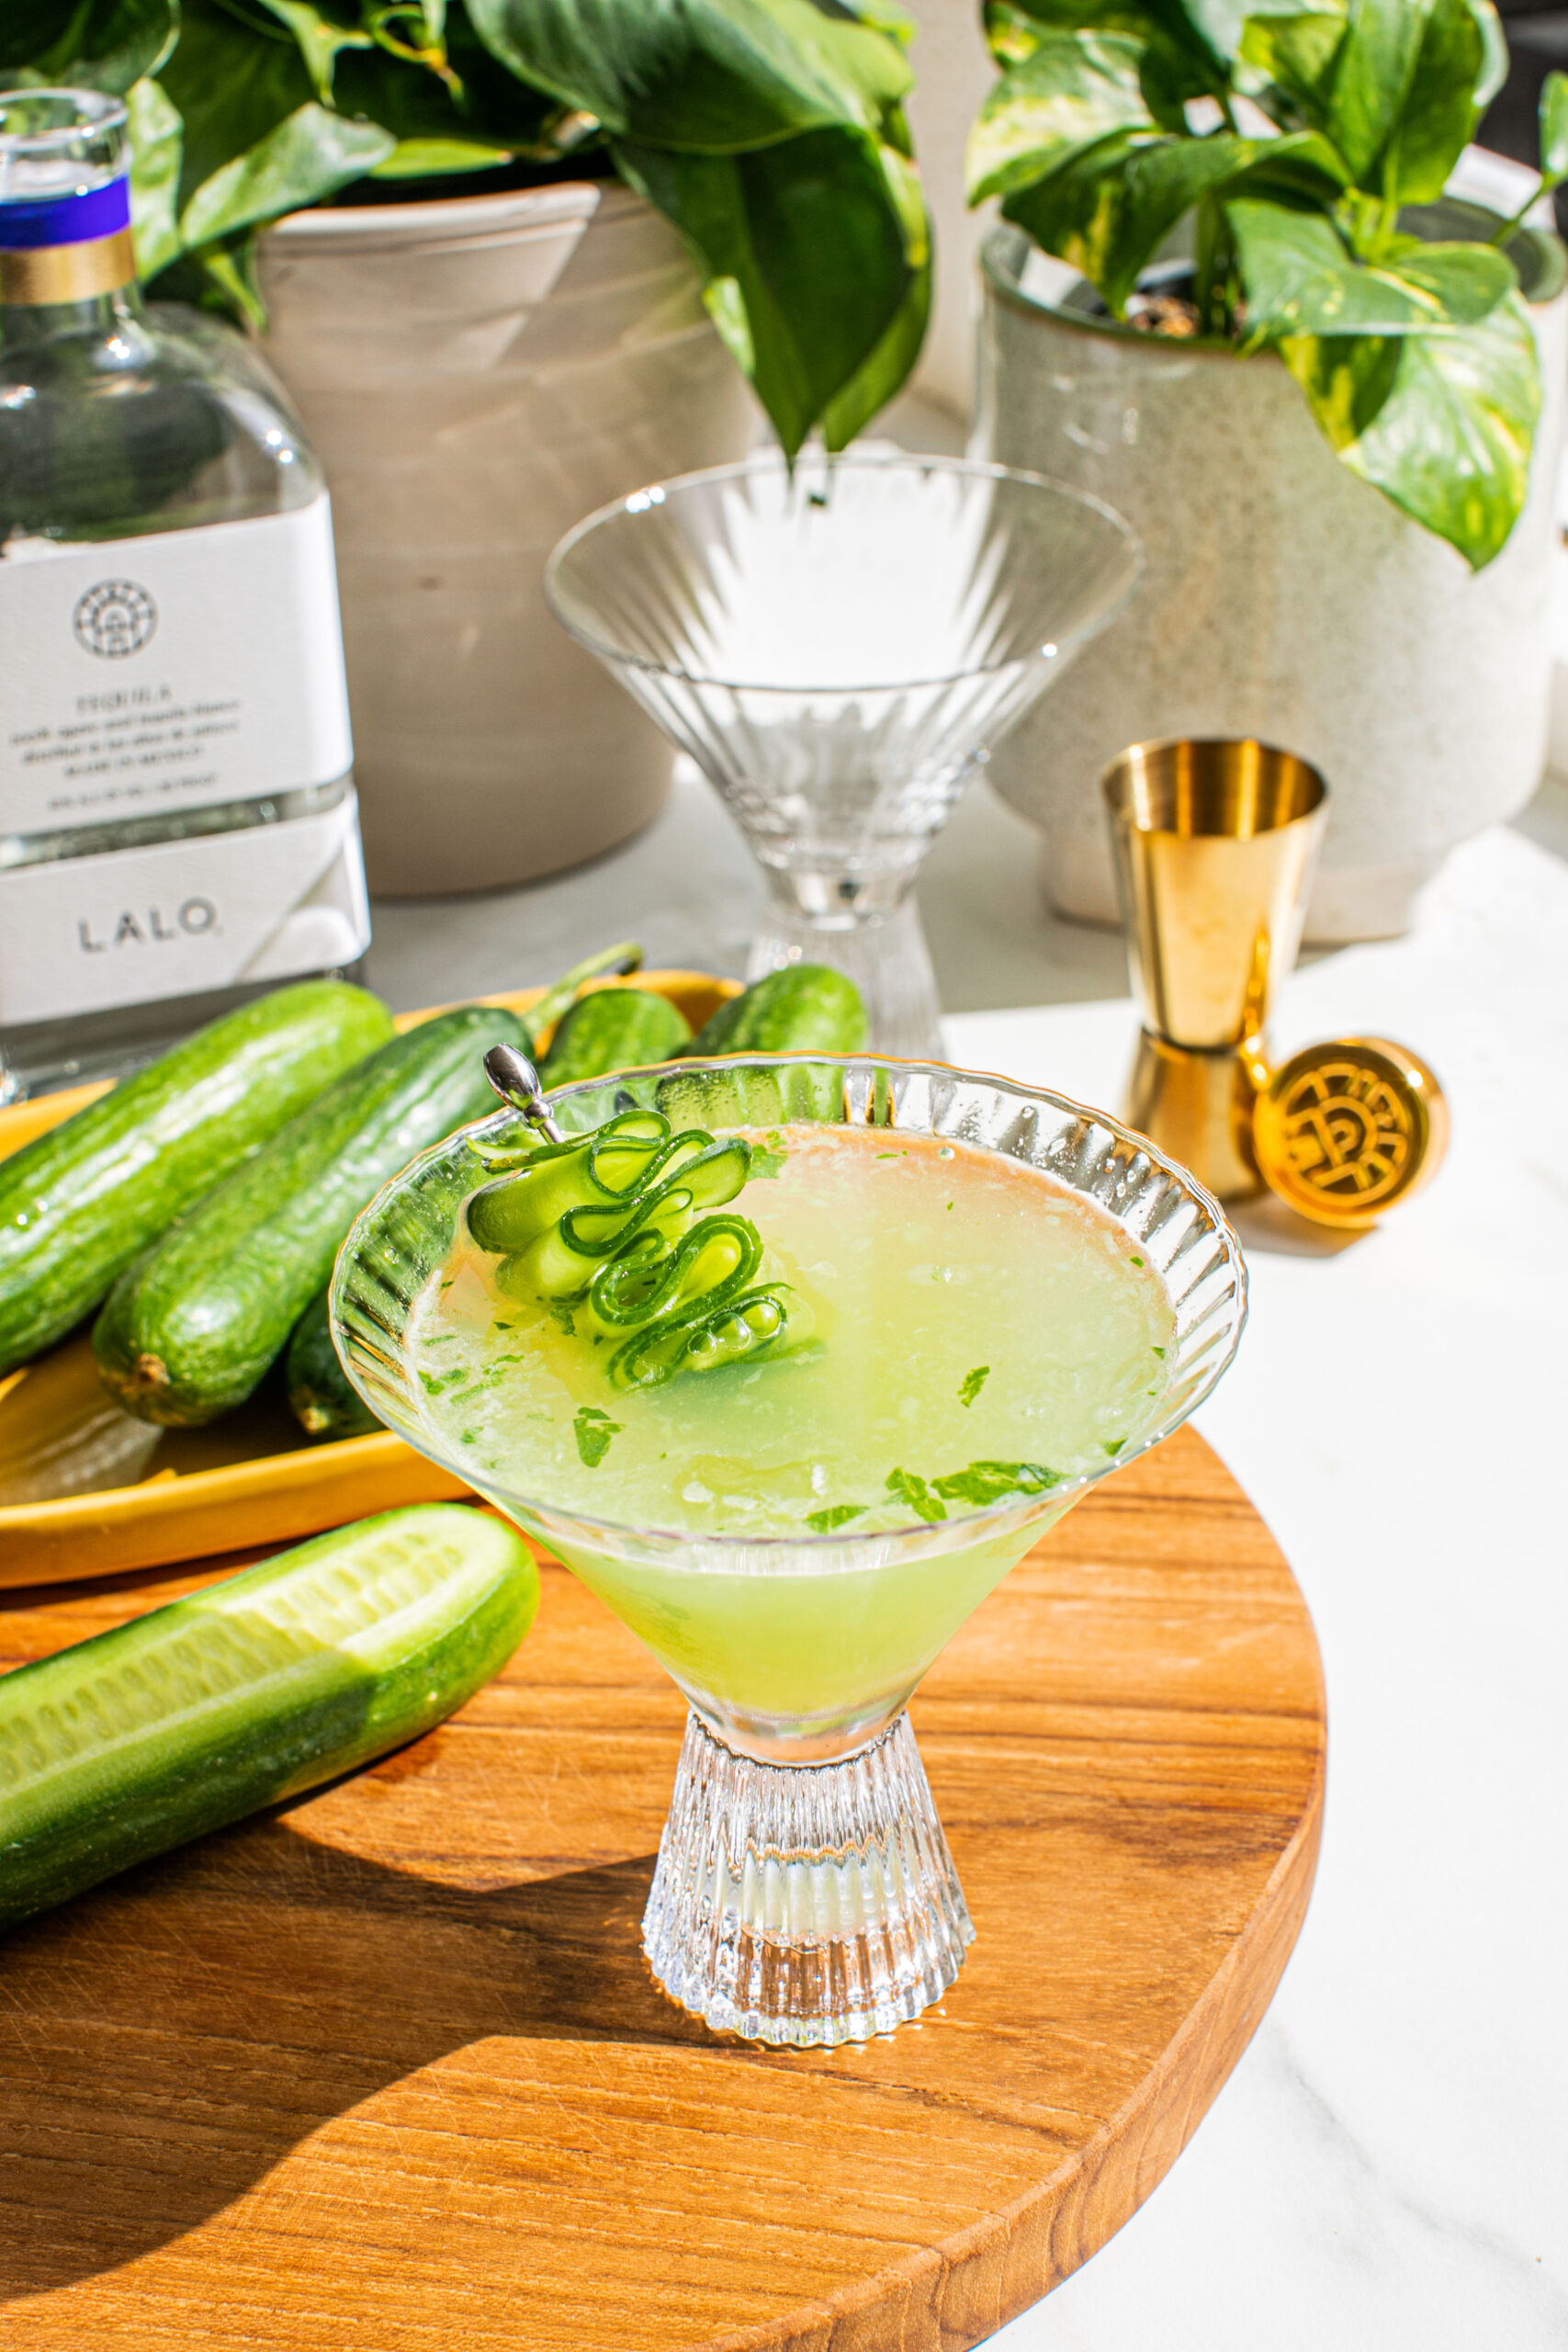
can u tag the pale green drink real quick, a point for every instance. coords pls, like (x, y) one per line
(974, 1323)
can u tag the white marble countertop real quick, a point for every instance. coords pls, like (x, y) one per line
(1386, 2169)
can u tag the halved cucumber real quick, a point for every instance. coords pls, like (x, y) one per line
(249, 1691)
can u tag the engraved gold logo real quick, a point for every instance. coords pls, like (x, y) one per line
(1346, 1133)
(1347, 1128)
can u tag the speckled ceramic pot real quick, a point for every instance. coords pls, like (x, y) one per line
(1283, 597)
(477, 374)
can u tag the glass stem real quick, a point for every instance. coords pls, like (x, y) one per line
(806, 1904)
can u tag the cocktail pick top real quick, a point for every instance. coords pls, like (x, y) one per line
(517, 1082)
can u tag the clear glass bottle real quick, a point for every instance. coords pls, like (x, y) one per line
(179, 828)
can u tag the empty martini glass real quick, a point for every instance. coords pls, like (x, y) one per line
(803, 1892)
(836, 648)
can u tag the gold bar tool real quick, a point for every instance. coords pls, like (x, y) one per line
(1215, 844)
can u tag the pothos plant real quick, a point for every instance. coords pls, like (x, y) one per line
(770, 132)
(1288, 149)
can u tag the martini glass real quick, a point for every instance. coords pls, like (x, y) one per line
(836, 648)
(803, 1892)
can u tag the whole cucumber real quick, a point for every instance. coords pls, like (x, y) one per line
(322, 1398)
(804, 1008)
(614, 1029)
(78, 1203)
(248, 1691)
(191, 1328)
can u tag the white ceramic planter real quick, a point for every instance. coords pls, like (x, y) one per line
(1283, 599)
(477, 374)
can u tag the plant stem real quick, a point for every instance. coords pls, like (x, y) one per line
(1203, 262)
(1515, 222)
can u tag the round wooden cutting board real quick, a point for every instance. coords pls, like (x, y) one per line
(386, 2072)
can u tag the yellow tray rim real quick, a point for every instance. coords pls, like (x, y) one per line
(274, 1498)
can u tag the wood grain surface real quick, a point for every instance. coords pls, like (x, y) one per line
(385, 2071)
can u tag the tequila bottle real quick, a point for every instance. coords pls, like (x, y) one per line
(179, 828)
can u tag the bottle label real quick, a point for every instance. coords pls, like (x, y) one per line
(83, 934)
(181, 670)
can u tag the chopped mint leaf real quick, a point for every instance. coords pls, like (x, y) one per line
(594, 1429)
(769, 1156)
(1160, 1352)
(893, 1155)
(434, 1382)
(1137, 1262)
(992, 1482)
(1115, 1449)
(560, 1314)
(972, 1382)
(950, 1205)
(837, 1515)
(468, 1437)
(917, 1494)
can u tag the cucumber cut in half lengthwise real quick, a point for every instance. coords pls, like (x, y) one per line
(248, 1691)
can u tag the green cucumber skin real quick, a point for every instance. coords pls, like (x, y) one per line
(192, 1329)
(614, 1029)
(324, 1400)
(79, 1203)
(123, 1796)
(804, 1008)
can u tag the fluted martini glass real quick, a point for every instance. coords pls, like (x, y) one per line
(803, 1892)
(836, 648)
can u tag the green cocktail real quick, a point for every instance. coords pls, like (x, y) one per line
(973, 1302)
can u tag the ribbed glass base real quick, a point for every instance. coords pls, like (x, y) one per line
(806, 1904)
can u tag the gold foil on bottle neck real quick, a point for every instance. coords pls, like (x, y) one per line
(67, 273)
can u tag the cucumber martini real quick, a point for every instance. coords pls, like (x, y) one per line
(974, 1330)
(790, 1359)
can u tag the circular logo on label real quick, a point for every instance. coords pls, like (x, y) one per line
(115, 619)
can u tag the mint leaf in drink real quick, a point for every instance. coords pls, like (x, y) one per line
(969, 1387)
(993, 1481)
(769, 1156)
(432, 1383)
(1160, 1352)
(1115, 1448)
(823, 1522)
(561, 1317)
(917, 1494)
(594, 1429)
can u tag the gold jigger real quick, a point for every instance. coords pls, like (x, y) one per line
(1215, 845)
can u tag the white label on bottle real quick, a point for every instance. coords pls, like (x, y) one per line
(83, 934)
(178, 671)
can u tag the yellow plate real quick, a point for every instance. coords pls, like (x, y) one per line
(250, 1478)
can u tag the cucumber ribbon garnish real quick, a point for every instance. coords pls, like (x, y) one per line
(604, 1223)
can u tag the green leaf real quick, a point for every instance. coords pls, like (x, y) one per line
(413, 159)
(1405, 96)
(157, 139)
(1447, 432)
(1554, 128)
(1493, 53)
(232, 83)
(1298, 54)
(320, 41)
(836, 1515)
(969, 1387)
(803, 252)
(709, 77)
(1441, 112)
(1110, 207)
(917, 1494)
(1077, 89)
(992, 1482)
(310, 153)
(1300, 278)
(89, 44)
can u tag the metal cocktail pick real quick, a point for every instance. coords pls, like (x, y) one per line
(517, 1082)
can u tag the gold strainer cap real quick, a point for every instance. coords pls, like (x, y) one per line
(1345, 1129)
